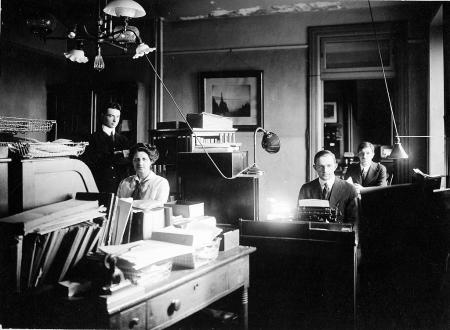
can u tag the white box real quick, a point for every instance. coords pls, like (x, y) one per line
(187, 209)
(148, 221)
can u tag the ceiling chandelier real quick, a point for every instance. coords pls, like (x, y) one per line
(122, 36)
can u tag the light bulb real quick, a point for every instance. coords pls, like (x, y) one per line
(99, 64)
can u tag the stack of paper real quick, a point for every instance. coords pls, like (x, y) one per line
(209, 121)
(145, 260)
(202, 237)
(51, 217)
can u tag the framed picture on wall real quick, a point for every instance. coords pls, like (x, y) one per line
(234, 94)
(330, 112)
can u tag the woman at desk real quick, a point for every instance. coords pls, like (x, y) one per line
(367, 173)
(145, 184)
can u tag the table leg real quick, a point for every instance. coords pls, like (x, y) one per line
(244, 308)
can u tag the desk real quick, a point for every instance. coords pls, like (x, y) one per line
(313, 269)
(155, 306)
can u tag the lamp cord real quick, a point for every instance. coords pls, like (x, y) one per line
(190, 127)
(382, 68)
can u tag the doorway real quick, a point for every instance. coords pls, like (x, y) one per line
(361, 115)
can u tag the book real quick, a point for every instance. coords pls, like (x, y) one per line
(198, 234)
(209, 121)
(28, 221)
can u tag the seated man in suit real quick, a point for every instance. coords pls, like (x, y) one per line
(341, 194)
(367, 173)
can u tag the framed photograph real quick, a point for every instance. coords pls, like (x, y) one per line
(330, 112)
(234, 94)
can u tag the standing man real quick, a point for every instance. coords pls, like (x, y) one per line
(341, 194)
(107, 153)
(367, 173)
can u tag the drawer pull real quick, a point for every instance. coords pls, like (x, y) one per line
(174, 306)
(133, 322)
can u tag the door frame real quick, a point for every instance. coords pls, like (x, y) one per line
(317, 76)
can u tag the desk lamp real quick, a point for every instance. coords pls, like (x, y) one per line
(270, 143)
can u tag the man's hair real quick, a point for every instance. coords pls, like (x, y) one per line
(150, 150)
(322, 153)
(366, 144)
(113, 105)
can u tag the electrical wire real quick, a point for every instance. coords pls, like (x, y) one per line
(383, 70)
(190, 127)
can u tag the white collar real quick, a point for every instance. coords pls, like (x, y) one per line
(108, 130)
(148, 177)
(330, 182)
(365, 168)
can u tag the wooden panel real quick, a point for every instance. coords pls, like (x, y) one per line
(44, 181)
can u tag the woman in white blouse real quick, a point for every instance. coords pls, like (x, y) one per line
(145, 184)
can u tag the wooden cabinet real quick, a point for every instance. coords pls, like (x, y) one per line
(41, 181)
(227, 200)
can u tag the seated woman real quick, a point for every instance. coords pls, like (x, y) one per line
(145, 184)
(367, 173)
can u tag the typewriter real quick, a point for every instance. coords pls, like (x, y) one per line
(316, 210)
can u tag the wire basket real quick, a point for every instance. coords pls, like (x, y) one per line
(47, 149)
(15, 125)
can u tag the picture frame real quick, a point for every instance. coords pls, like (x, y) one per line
(330, 112)
(234, 94)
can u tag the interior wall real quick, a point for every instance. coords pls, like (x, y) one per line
(23, 81)
(437, 159)
(285, 83)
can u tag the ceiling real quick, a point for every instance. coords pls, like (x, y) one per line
(68, 11)
(201, 9)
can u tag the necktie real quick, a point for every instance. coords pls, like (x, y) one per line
(325, 191)
(137, 191)
(112, 137)
(363, 174)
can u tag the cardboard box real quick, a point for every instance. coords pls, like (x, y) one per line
(187, 209)
(230, 239)
(144, 222)
(209, 121)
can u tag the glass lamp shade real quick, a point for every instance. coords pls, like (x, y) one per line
(124, 8)
(41, 24)
(143, 49)
(398, 152)
(270, 142)
(76, 55)
(128, 36)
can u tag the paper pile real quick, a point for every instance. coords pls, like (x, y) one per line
(200, 236)
(145, 260)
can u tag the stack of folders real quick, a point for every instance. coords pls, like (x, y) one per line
(53, 239)
(145, 261)
(200, 236)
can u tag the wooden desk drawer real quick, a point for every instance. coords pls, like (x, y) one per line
(132, 318)
(187, 298)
